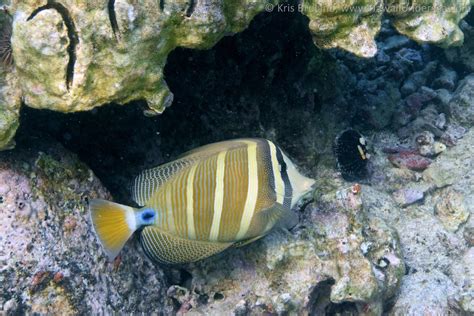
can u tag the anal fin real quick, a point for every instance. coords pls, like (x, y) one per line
(166, 248)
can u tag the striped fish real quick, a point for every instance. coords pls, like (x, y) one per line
(211, 198)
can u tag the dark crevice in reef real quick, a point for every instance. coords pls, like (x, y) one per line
(344, 308)
(113, 17)
(191, 7)
(162, 5)
(322, 305)
(470, 18)
(71, 32)
(319, 298)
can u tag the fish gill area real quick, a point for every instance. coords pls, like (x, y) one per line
(399, 242)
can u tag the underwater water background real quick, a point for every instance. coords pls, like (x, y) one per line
(398, 241)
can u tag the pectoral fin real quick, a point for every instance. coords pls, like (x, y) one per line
(246, 242)
(169, 249)
(273, 217)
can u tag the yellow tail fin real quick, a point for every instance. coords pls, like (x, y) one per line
(113, 223)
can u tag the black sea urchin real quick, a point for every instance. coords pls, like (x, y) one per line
(350, 149)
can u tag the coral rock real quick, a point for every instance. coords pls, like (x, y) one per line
(464, 54)
(405, 197)
(461, 106)
(410, 161)
(421, 296)
(451, 210)
(432, 21)
(463, 276)
(48, 268)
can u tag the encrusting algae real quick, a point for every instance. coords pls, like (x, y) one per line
(211, 198)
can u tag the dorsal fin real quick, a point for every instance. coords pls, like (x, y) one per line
(215, 148)
(170, 249)
(148, 181)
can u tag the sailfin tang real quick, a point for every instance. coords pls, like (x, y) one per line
(113, 223)
(169, 249)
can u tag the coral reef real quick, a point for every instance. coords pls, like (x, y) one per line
(400, 241)
(85, 54)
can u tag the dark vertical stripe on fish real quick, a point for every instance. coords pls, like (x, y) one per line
(286, 179)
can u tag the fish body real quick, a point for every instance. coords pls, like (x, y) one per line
(217, 196)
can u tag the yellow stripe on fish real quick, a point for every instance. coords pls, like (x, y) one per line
(215, 196)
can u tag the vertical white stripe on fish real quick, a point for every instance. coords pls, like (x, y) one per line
(190, 202)
(169, 210)
(252, 191)
(218, 197)
(147, 187)
(279, 184)
(137, 189)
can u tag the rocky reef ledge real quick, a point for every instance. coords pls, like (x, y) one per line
(76, 55)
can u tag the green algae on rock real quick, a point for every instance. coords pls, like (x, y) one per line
(89, 53)
(9, 108)
(432, 21)
(351, 25)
